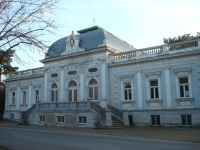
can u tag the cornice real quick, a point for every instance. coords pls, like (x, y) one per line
(155, 58)
(97, 50)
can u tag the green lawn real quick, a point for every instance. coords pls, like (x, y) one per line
(4, 148)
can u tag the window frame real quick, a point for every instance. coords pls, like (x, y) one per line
(126, 79)
(81, 116)
(183, 73)
(151, 118)
(73, 88)
(93, 86)
(181, 115)
(13, 98)
(56, 119)
(55, 95)
(43, 121)
(153, 76)
(24, 102)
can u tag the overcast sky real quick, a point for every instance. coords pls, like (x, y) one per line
(142, 23)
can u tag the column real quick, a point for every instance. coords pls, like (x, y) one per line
(18, 98)
(45, 86)
(81, 83)
(103, 86)
(168, 89)
(30, 101)
(139, 83)
(62, 84)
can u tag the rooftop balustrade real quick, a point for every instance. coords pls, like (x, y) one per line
(147, 52)
(26, 73)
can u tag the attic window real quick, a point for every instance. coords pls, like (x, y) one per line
(72, 72)
(54, 75)
(92, 70)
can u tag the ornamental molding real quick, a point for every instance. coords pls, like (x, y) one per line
(166, 68)
(126, 77)
(53, 79)
(54, 69)
(183, 72)
(92, 74)
(72, 45)
(153, 75)
(72, 77)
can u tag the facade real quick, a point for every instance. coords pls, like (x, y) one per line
(96, 74)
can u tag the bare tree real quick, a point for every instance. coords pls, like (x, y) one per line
(23, 25)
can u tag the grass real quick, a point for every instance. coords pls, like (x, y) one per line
(4, 148)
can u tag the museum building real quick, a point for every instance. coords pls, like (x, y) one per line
(94, 76)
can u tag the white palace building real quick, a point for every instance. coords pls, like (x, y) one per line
(96, 74)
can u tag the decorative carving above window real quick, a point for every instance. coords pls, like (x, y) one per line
(72, 73)
(54, 75)
(92, 70)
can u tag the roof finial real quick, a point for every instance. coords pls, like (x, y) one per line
(72, 32)
(94, 21)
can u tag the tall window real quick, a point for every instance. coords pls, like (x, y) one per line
(127, 91)
(36, 95)
(54, 92)
(72, 91)
(24, 97)
(154, 94)
(184, 87)
(93, 89)
(13, 98)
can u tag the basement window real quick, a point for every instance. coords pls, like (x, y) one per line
(186, 120)
(155, 120)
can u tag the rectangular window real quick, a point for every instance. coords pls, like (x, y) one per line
(36, 95)
(13, 98)
(75, 95)
(60, 119)
(70, 95)
(154, 92)
(96, 93)
(184, 87)
(186, 120)
(82, 120)
(91, 92)
(127, 91)
(42, 118)
(155, 120)
(24, 97)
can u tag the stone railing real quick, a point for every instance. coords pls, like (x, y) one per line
(141, 53)
(116, 112)
(99, 110)
(26, 72)
(151, 50)
(60, 106)
(124, 55)
(182, 45)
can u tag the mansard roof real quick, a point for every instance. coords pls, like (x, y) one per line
(91, 38)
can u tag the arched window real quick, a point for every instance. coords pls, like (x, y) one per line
(54, 92)
(93, 89)
(72, 91)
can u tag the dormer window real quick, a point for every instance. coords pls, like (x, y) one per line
(72, 72)
(54, 75)
(91, 70)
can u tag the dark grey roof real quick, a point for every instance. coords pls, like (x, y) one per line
(90, 38)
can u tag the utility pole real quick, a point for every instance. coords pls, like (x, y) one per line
(94, 21)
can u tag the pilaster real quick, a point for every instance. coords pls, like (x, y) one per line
(168, 89)
(139, 84)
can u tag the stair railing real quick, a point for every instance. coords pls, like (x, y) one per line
(99, 111)
(116, 112)
(27, 112)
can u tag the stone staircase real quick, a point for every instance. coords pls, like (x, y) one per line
(117, 124)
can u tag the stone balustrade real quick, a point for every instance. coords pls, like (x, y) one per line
(141, 53)
(26, 73)
(63, 106)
